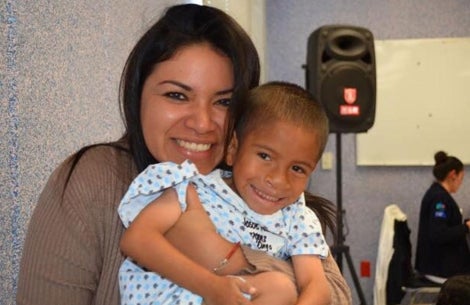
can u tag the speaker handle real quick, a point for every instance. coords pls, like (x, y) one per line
(346, 44)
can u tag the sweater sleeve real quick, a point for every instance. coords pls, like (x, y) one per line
(71, 254)
(340, 291)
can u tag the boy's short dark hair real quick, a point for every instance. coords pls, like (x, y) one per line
(455, 291)
(283, 101)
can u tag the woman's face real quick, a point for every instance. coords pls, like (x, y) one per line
(455, 181)
(184, 106)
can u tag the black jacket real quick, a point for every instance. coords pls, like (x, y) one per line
(442, 249)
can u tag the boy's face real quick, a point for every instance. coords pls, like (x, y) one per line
(272, 164)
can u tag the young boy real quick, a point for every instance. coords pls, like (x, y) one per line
(277, 143)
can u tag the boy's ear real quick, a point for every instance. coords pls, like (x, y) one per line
(232, 150)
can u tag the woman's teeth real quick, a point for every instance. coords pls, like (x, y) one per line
(193, 146)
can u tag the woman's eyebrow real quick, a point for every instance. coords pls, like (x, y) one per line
(176, 83)
(223, 92)
(188, 88)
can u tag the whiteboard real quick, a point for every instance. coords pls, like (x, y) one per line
(423, 103)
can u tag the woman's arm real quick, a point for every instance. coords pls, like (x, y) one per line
(60, 259)
(340, 291)
(71, 253)
(445, 221)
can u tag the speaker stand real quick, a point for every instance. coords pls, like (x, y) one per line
(339, 248)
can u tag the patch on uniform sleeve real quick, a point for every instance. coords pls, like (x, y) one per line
(440, 211)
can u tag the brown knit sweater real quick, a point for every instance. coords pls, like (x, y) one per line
(71, 253)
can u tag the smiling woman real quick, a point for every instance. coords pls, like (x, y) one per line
(74, 233)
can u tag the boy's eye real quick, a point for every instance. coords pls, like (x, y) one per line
(263, 156)
(176, 96)
(298, 169)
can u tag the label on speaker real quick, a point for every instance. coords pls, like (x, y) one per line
(347, 110)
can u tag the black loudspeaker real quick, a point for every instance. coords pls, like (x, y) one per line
(340, 73)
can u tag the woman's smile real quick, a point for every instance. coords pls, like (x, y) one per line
(192, 146)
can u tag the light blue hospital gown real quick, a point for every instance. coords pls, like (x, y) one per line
(293, 230)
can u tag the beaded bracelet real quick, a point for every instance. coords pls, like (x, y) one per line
(224, 261)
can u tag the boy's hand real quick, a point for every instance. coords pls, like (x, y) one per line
(195, 236)
(230, 291)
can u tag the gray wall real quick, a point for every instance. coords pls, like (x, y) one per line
(59, 75)
(366, 190)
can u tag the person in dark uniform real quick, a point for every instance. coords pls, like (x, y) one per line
(442, 250)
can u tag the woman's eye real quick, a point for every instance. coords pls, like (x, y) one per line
(225, 102)
(176, 96)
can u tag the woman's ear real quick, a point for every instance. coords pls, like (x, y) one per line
(452, 175)
(232, 150)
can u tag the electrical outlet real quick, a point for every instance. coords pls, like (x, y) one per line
(327, 161)
(365, 268)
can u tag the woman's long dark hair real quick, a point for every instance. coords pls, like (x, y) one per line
(180, 26)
